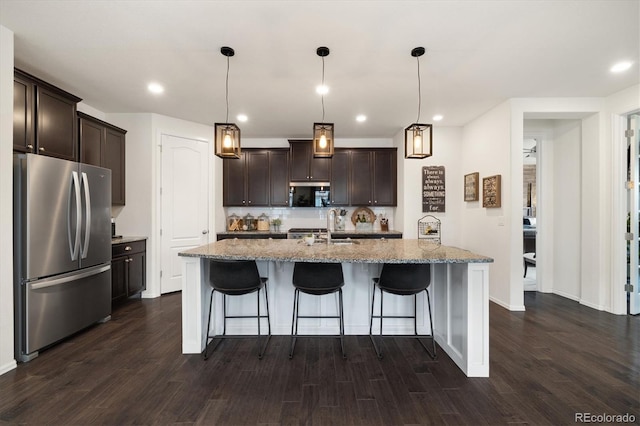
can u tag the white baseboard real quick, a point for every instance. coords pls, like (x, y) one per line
(593, 306)
(11, 365)
(567, 295)
(517, 308)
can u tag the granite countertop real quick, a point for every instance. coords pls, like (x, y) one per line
(122, 240)
(338, 234)
(361, 251)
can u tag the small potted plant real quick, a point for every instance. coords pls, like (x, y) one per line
(309, 239)
(276, 224)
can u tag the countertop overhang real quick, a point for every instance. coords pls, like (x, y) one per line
(364, 251)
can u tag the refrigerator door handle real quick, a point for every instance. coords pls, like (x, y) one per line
(74, 190)
(69, 278)
(87, 218)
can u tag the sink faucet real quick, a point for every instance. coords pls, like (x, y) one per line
(330, 223)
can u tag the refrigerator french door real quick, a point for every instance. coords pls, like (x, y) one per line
(62, 249)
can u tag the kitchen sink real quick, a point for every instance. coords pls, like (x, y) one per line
(344, 242)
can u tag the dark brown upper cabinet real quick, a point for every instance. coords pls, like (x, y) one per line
(279, 177)
(259, 178)
(257, 169)
(304, 166)
(340, 179)
(234, 181)
(103, 144)
(44, 119)
(373, 177)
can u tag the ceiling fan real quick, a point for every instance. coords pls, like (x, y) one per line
(531, 152)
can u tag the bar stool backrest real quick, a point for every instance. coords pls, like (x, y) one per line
(405, 278)
(317, 278)
(234, 277)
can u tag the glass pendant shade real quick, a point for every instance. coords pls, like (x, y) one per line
(322, 139)
(227, 140)
(418, 141)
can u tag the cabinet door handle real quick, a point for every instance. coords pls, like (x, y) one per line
(30, 147)
(249, 201)
(128, 260)
(205, 232)
(41, 148)
(127, 248)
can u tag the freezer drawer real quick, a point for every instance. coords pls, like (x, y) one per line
(60, 306)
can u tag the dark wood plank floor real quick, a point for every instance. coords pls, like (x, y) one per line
(547, 363)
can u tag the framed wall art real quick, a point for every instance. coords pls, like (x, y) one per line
(471, 186)
(433, 189)
(491, 194)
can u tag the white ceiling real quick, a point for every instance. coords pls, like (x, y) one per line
(479, 53)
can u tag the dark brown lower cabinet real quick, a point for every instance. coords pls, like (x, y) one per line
(128, 269)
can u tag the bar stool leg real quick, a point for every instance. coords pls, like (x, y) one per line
(373, 341)
(262, 348)
(224, 310)
(206, 353)
(294, 321)
(344, 354)
(432, 352)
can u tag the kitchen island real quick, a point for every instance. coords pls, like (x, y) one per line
(459, 292)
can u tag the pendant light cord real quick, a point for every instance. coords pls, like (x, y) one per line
(226, 91)
(323, 89)
(419, 90)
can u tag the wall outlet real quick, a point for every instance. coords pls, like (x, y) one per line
(500, 220)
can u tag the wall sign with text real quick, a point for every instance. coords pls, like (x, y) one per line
(433, 189)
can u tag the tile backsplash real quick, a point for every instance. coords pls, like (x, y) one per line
(303, 217)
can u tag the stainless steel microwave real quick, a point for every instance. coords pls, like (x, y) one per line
(303, 195)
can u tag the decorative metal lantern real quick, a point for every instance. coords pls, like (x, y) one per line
(418, 137)
(227, 135)
(323, 139)
(418, 141)
(227, 140)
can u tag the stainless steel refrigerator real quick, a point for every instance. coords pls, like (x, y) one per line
(62, 250)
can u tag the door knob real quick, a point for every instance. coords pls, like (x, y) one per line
(205, 232)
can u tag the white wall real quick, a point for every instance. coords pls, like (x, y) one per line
(567, 207)
(596, 211)
(486, 148)
(447, 143)
(7, 361)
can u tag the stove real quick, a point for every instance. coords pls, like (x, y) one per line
(298, 233)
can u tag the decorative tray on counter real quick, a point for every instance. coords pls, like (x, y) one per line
(363, 212)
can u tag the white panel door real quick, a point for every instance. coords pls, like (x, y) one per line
(184, 204)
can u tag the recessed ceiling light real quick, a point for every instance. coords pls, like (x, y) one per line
(360, 118)
(242, 117)
(322, 89)
(155, 88)
(437, 117)
(621, 66)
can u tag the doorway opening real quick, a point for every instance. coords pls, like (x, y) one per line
(632, 134)
(529, 211)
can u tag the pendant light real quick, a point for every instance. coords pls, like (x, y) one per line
(418, 137)
(322, 132)
(227, 135)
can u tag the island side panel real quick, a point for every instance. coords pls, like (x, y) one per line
(478, 320)
(461, 321)
(195, 300)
